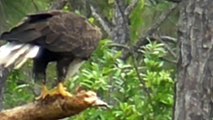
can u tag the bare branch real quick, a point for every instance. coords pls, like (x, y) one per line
(151, 30)
(167, 47)
(130, 7)
(170, 61)
(104, 23)
(54, 107)
(156, 25)
(169, 39)
(117, 45)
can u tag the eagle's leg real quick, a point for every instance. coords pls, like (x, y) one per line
(66, 68)
(62, 69)
(39, 71)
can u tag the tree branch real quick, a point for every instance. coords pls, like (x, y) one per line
(130, 7)
(156, 25)
(166, 46)
(142, 41)
(104, 23)
(54, 107)
(121, 30)
(168, 39)
(120, 5)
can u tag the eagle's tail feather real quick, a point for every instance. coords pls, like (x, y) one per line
(17, 54)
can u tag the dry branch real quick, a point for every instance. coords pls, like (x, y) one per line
(53, 107)
(143, 40)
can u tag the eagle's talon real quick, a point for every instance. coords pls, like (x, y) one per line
(60, 90)
(63, 91)
(44, 93)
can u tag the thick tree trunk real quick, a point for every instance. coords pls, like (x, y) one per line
(194, 88)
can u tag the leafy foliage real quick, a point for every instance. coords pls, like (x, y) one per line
(118, 83)
(17, 91)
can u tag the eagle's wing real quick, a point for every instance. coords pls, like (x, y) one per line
(58, 32)
(29, 30)
(72, 33)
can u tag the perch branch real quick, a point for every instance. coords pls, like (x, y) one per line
(54, 107)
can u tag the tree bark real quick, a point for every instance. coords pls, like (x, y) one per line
(121, 30)
(53, 107)
(194, 87)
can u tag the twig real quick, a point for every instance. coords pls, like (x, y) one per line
(135, 65)
(54, 107)
(168, 48)
(120, 46)
(168, 39)
(170, 61)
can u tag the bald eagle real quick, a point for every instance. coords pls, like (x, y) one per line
(65, 38)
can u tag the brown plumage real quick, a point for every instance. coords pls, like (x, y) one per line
(66, 38)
